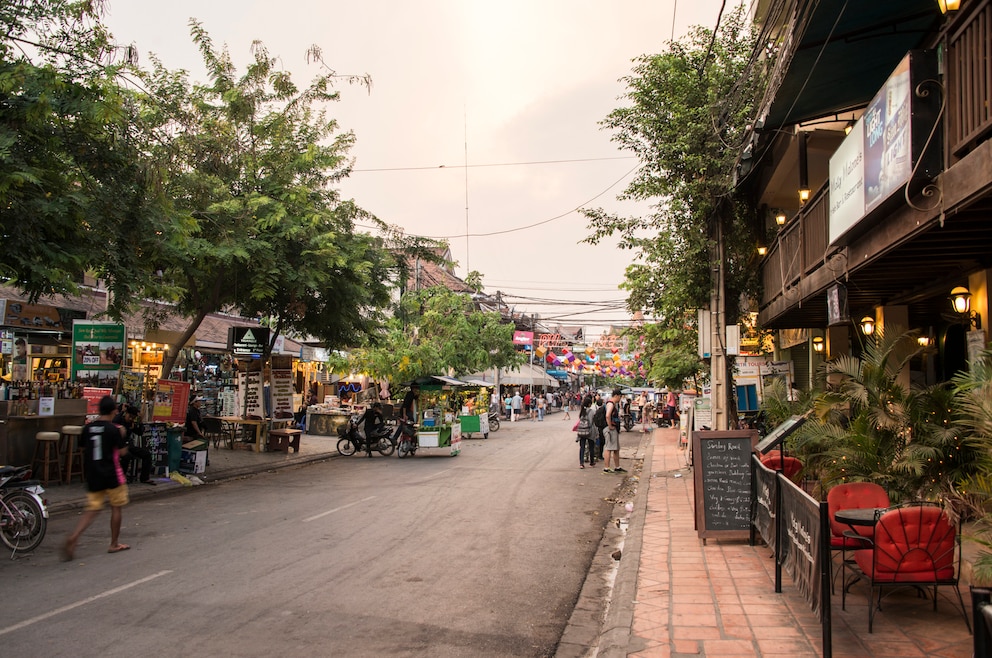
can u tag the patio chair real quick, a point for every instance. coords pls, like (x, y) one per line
(790, 466)
(214, 430)
(916, 545)
(851, 495)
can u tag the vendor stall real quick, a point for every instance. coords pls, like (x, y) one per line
(473, 399)
(437, 413)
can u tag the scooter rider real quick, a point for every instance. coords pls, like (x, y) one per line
(408, 410)
(371, 421)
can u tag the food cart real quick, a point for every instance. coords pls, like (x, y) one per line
(473, 398)
(437, 406)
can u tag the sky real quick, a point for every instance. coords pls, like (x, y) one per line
(514, 89)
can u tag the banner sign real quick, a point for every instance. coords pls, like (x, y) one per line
(765, 501)
(801, 555)
(92, 395)
(523, 337)
(250, 394)
(171, 401)
(97, 352)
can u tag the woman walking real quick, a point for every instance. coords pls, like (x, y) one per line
(588, 442)
(567, 406)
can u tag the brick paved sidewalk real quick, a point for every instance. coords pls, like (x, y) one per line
(718, 600)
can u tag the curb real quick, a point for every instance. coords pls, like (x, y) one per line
(136, 493)
(594, 629)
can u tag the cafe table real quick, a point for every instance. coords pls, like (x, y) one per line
(862, 516)
(257, 423)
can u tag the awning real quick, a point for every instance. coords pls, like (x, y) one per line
(844, 55)
(527, 375)
(450, 380)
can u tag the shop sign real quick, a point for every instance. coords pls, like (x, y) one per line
(282, 392)
(552, 340)
(886, 146)
(97, 352)
(33, 316)
(250, 393)
(171, 401)
(93, 395)
(523, 338)
(311, 353)
(247, 341)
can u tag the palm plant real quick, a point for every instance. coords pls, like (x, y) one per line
(871, 427)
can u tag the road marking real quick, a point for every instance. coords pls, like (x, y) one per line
(337, 509)
(67, 608)
(428, 477)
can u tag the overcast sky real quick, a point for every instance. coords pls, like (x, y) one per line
(515, 89)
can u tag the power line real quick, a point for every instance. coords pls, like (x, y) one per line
(493, 164)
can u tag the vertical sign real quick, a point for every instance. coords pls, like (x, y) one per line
(97, 352)
(250, 392)
(282, 392)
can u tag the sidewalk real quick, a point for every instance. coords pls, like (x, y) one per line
(718, 599)
(224, 464)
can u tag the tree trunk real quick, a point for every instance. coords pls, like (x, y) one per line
(170, 360)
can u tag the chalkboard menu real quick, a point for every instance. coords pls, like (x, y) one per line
(722, 483)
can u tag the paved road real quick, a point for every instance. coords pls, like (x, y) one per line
(482, 554)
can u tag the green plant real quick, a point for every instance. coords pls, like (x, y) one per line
(869, 426)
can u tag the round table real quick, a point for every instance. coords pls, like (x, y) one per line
(863, 516)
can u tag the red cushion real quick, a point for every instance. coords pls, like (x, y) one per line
(854, 495)
(912, 544)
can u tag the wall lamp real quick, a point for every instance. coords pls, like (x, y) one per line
(961, 303)
(867, 325)
(780, 218)
(818, 344)
(762, 251)
(948, 5)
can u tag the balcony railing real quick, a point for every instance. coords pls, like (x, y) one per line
(800, 248)
(969, 81)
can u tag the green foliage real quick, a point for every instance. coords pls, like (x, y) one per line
(688, 112)
(674, 358)
(75, 193)
(251, 162)
(870, 427)
(438, 331)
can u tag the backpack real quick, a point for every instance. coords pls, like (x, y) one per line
(583, 429)
(599, 419)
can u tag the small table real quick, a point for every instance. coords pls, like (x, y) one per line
(863, 516)
(256, 422)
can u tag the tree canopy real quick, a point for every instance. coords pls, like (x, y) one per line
(688, 110)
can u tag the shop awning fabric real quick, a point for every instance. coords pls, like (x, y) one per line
(527, 375)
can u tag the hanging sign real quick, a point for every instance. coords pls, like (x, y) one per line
(247, 341)
(171, 401)
(97, 352)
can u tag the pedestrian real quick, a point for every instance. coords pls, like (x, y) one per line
(647, 411)
(371, 423)
(527, 402)
(567, 406)
(597, 402)
(541, 404)
(104, 444)
(508, 405)
(408, 410)
(611, 435)
(672, 403)
(516, 401)
(128, 419)
(587, 443)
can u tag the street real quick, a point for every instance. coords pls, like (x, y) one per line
(482, 554)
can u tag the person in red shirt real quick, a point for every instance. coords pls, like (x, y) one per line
(530, 413)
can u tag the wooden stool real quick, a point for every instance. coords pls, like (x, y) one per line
(284, 439)
(73, 450)
(47, 443)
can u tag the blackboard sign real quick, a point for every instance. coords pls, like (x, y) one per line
(722, 483)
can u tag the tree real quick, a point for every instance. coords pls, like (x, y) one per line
(440, 332)
(251, 162)
(689, 110)
(75, 193)
(674, 359)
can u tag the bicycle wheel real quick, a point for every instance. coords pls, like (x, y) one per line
(24, 522)
(346, 447)
(494, 424)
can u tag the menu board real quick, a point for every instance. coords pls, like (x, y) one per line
(171, 401)
(722, 483)
(282, 393)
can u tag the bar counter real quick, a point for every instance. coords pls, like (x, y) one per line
(17, 433)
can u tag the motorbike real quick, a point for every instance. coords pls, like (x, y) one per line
(493, 421)
(23, 512)
(627, 420)
(352, 441)
(409, 442)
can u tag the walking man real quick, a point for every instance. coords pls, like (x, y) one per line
(611, 434)
(104, 444)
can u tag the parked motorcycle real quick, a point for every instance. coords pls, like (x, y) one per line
(352, 441)
(23, 512)
(628, 421)
(409, 442)
(493, 421)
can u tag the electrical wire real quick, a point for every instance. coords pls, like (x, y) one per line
(492, 164)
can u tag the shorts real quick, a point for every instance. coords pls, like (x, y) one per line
(611, 438)
(117, 497)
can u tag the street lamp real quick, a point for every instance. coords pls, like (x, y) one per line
(818, 344)
(867, 325)
(948, 5)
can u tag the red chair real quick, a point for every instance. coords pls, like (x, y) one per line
(852, 495)
(914, 545)
(790, 466)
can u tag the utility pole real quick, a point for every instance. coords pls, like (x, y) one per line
(718, 322)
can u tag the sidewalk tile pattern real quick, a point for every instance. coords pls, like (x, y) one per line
(718, 599)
